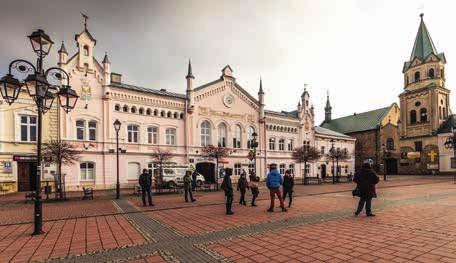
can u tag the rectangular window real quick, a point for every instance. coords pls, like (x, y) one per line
(87, 170)
(152, 135)
(322, 150)
(291, 168)
(290, 145)
(237, 168)
(133, 133)
(282, 168)
(92, 131)
(272, 144)
(307, 169)
(281, 145)
(418, 146)
(28, 129)
(171, 136)
(80, 130)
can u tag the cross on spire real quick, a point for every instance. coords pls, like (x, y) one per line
(85, 20)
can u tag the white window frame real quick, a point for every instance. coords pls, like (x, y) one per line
(237, 137)
(250, 132)
(237, 168)
(222, 135)
(170, 135)
(84, 173)
(282, 168)
(152, 135)
(92, 129)
(81, 127)
(133, 133)
(281, 144)
(29, 126)
(205, 131)
(272, 143)
(291, 167)
(290, 145)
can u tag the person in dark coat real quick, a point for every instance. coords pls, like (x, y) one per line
(242, 185)
(253, 185)
(365, 180)
(288, 183)
(188, 186)
(227, 187)
(145, 181)
(194, 175)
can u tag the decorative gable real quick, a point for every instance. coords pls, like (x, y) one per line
(416, 61)
(227, 71)
(432, 58)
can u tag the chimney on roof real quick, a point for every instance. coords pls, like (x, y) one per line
(116, 78)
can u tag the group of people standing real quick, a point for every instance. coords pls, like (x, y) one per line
(365, 178)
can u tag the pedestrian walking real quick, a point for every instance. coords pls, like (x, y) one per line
(227, 187)
(188, 186)
(145, 181)
(274, 181)
(288, 184)
(242, 185)
(253, 185)
(365, 180)
(194, 175)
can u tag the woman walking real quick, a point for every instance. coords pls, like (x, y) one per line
(242, 185)
(366, 179)
(253, 185)
(288, 183)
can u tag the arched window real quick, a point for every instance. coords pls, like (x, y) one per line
(176, 115)
(87, 170)
(92, 130)
(133, 133)
(407, 80)
(413, 116)
(222, 135)
(390, 144)
(80, 130)
(169, 115)
(423, 115)
(133, 109)
(417, 76)
(290, 145)
(86, 50)
(181, 116)
(117, 107)
(282, 145)
(205, 133)
(440, 112)
(170, 136)
(162, 113)
(155, 112)
(272, 144)
(431, 73)
(125, 108)
(250, 132)
(237, 136)
(141, 111)
(148, 112)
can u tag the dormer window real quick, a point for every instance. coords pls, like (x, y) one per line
(417, 76)
(431, 73)
(85, 50)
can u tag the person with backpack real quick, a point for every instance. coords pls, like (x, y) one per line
(227, 187)
(274, 181)
(365, 179)
(242, 185)
(288, 184)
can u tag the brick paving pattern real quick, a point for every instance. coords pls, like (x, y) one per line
(416, 222)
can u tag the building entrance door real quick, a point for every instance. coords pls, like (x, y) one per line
(323, 171)
(207, 170)
(26, 176)
(391, 166)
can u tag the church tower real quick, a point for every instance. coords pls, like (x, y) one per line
(424, 103)
(328, 109)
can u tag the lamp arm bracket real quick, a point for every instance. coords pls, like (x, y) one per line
(22, 67)
(55, 74)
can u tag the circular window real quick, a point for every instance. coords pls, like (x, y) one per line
(417, 104)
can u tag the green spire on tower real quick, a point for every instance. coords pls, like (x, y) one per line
(423, 43)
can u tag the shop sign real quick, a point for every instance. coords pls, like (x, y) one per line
(431, 166)
(24, 158)
(7, 167)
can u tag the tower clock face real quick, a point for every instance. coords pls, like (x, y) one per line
(228, 100)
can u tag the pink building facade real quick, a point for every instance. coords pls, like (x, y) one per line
(220, 112)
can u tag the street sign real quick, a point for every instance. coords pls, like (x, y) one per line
(413, 155)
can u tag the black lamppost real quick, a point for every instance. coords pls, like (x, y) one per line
(117, 125)
(254, 145)
(386, 153)
(333, 155)
(43, 87)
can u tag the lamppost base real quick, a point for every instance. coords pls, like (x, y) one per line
(35, 233)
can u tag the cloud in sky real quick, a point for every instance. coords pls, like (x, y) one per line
(354, 49)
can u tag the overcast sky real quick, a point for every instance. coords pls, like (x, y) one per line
(354, 49)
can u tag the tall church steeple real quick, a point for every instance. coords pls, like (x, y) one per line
(328, 109)
(423, 46)
(190, 91)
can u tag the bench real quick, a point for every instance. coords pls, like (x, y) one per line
(309, 180)
(88, 193)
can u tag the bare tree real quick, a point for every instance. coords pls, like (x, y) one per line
(338, 155)
(161, 156)
(216, 152)
(304, 154)
(59, 153)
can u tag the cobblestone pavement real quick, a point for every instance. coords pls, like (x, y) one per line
(415, 223)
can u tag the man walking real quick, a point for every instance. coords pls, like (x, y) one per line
(366, 179)
(242, 185)
(288, 183)
(227, 187)
(145, 181)
(188, 186)
(274, 182)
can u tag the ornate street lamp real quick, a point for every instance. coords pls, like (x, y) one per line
(43, 87)
(386, 154)
(117, 125)
(333, 155)
(254, 146)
